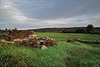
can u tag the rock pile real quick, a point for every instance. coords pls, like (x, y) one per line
(6, 42)
(16, 34)
(49, 42)
(31, 42)
(90, 42)
(72, 40)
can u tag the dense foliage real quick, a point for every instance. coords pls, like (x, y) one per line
(90, 29)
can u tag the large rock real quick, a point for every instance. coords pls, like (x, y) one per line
(8, 42)
(3, 41)
(43, 47)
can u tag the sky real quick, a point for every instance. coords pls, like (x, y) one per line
(33, 14)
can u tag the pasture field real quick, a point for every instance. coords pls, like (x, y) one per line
(62, 55)
(65, 36)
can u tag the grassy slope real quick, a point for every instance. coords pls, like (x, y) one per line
(63, 55)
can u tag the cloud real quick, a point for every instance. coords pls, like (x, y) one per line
(9, 11)
(55, 9)
(48, 13)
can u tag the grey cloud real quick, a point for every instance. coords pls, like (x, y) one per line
(55, 9)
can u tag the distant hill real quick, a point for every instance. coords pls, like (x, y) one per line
(64, 30)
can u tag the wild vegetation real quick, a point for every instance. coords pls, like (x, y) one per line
(63, 54)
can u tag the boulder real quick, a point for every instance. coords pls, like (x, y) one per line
(43, 47)
(3, 41)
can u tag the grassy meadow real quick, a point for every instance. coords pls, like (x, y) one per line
(62, 55)
(65, 36)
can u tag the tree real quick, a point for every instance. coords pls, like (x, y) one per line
(9, 30)
(90, 28)
(14, 29)
(6, 29)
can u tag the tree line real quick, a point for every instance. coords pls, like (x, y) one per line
(89, 29)
(6, 30)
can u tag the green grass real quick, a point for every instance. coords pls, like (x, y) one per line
(65, 36)
(62, 55)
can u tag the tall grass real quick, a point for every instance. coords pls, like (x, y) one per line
(83, 55)
(33, 57)
(61, 55)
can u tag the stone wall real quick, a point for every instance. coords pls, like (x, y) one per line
(90, 42)
(83, 41)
